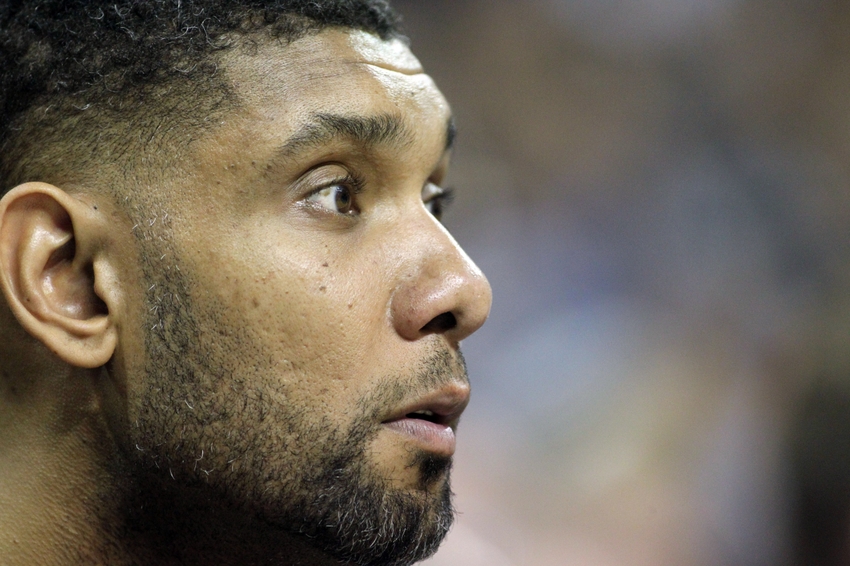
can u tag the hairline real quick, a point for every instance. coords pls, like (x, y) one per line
(127, 161)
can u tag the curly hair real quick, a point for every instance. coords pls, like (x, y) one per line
(88, 84)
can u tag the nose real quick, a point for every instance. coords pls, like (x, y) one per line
(441, 291)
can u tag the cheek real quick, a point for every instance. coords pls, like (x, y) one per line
(320, 322)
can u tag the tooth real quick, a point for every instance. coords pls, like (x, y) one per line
(424, 412)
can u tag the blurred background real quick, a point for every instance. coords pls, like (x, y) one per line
(658, 192)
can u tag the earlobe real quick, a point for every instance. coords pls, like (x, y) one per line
(51, 256)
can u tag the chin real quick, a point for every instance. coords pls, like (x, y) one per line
(360, 517)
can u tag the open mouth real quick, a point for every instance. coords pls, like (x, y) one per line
(425, 415)
(431, 422)
(442, 407)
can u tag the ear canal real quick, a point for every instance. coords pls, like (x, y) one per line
(71, 280)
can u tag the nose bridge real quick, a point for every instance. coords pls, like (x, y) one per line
(440, 290)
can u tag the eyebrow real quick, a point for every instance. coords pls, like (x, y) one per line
(367, 131)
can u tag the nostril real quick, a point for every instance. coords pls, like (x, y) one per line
(440, 323)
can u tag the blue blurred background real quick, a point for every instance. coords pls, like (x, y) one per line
(658, 192)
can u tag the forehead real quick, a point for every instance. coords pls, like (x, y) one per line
(335, 72)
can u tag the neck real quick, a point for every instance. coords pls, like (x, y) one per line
(52, 479)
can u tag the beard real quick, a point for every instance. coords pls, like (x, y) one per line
(207, 427)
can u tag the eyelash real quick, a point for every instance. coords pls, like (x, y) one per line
(439, 203)
(351, 180)
(355, 183)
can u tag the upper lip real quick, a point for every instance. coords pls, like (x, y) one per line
(446, 403)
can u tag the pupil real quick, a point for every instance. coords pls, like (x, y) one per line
(343, 198)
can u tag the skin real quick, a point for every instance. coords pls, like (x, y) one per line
(310, 312)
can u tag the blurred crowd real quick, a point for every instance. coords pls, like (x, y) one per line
(658, 192)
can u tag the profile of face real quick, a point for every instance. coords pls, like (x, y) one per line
(290, 348)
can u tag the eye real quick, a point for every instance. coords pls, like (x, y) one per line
(436, 199)
(337, 197)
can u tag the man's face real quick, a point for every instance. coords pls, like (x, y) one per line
(304, 306)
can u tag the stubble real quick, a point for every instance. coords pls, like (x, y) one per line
(223, 437)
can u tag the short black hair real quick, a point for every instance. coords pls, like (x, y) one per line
(87, 83)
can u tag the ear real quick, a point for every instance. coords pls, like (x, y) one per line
(52, 271)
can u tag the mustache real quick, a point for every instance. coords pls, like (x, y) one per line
(442, 368)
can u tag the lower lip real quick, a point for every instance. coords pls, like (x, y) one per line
(433, 437)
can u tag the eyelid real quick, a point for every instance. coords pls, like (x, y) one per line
(438, 199)
(353, 182)
(446, 196)
(344, 176)
(325, 175)
(433, 190)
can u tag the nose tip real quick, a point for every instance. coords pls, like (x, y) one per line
(446, 294)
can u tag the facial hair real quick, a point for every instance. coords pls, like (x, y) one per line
(202, 426)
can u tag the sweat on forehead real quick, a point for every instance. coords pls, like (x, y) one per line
(90, 85)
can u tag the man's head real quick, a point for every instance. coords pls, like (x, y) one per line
(228, 294)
